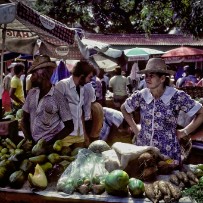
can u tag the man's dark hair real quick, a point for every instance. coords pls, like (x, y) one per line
(118, 71)
(18, 68)
(82, 67)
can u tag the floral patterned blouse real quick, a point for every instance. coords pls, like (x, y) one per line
(159, 118)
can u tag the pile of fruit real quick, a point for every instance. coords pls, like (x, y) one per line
(41, 164)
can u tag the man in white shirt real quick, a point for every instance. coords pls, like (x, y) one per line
(73, 89)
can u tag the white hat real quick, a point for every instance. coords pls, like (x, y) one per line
(12, 65)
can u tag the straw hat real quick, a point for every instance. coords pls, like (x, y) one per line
(156, 65)
(41, 61)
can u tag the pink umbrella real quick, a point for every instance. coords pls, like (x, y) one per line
(183, 54)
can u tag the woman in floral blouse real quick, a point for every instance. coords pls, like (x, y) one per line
(159, 106)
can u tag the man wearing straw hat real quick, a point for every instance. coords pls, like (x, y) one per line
(159, 106)
(45, 114)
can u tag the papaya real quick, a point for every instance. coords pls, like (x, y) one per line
(46, 166)
(54, 158)
(38, 180)
(64, 163)
(40, 147)
(3, 176)
(76, 150)
(65, 150)
(11, 143)
(57, 146)
(26, 165)
(18, 155)
(9, 165)
(38, 159)
(17, 179)
(19, 145)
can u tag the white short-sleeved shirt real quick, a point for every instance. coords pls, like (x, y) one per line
(68, 88)
(47, 115)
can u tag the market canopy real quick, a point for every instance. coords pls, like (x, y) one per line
(183, 54)
(105, 63)
(33, 32)
(141, 53)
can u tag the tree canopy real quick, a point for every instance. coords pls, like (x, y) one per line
(127, 16)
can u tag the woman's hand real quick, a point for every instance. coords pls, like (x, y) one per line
(135, 129)
(181, 134)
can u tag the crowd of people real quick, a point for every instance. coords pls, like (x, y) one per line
(62, 111)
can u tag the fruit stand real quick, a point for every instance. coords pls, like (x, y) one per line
(35, 175)
(37, 185)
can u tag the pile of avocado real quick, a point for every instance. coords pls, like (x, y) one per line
(40, 164)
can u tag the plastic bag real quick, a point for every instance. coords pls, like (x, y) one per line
(81, 174)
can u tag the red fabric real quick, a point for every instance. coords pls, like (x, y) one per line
(6, 101)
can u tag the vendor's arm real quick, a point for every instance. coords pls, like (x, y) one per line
(193, 125)
(129, 118)
(25, 125)
(69, 127)
(13, 96)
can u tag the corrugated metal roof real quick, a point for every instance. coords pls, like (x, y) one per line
(141, 39)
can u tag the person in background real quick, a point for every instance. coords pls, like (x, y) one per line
(142, 84)
(189, 79)
(16, 90)
(72, 89)
(113, 117)
(104, 81)
(134, 78)
(45, 113)
(28, 83)
(118, 84)
(159, 106)
(6, 99)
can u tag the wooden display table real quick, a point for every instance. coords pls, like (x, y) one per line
(26, 196)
